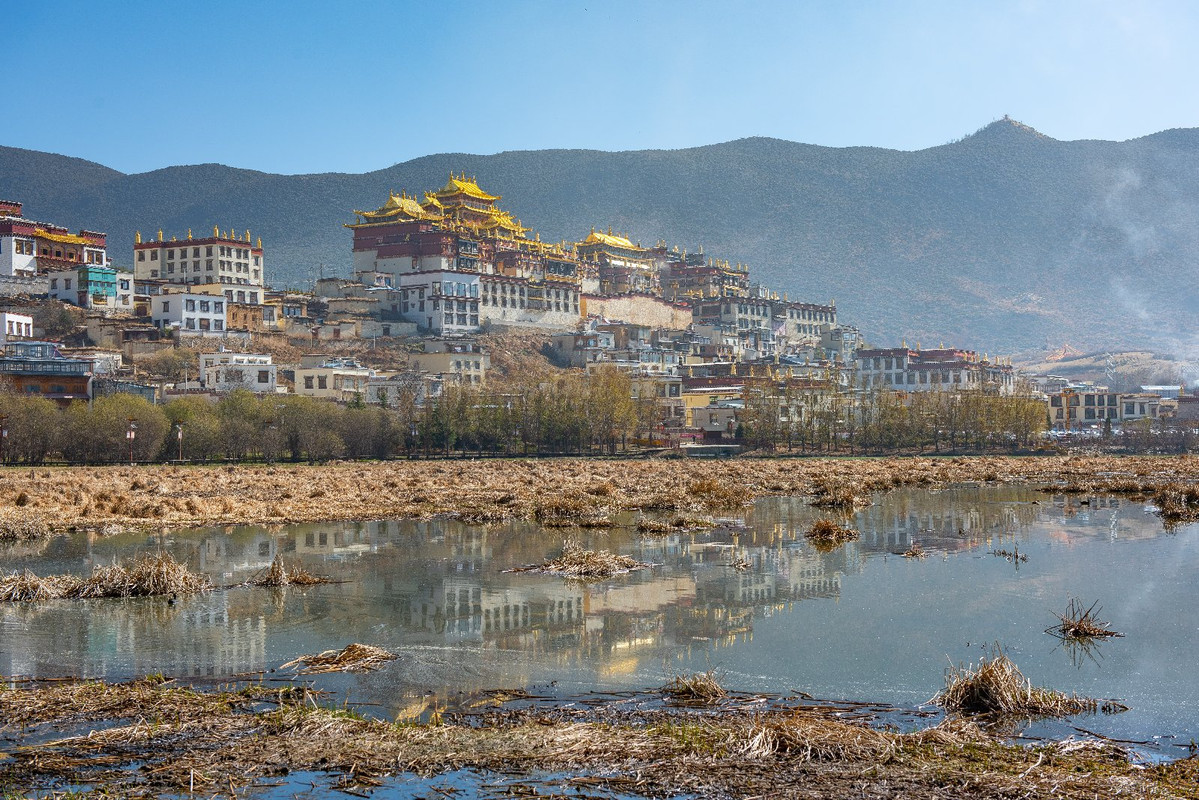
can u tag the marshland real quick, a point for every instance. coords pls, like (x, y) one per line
(719, 650)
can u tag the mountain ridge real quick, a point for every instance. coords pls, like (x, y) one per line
(1006, 239)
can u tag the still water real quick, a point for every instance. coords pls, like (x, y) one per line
(860, 622)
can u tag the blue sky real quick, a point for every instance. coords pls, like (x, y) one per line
(325, 86)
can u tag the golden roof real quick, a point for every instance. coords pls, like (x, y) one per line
(460, 184)
(61, 238)
(397, 206)
(609, 240)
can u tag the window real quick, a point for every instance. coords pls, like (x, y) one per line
(66, 283)
(189, 305)
(190, 323)
(322, 381)
(208, 252)
(166, 306)
(204, 305)
(218, 306)
(264, 376)
(153, 255)
(54, 283)
(141, 255)
(307, 381)
(217, 325)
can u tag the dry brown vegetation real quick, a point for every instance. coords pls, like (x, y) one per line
(279, 574)
(579, 562)
(148, 576)
(1081, 622)
(828, 533)
(161, 739)
(996, 686)
(351, 658)
(700, 689)
(558, 490)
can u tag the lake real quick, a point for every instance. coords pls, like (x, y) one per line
(750, 600)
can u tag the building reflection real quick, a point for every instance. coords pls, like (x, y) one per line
(444, 583)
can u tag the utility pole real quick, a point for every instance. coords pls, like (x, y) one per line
(131, 434)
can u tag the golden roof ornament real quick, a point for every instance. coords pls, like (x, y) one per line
(189, 234)
(160, 234)
(137, 238)
(259, 245)
(216, 233)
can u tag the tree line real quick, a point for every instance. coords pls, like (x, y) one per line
(529, 415)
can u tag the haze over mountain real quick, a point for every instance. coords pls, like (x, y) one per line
(1005, 240)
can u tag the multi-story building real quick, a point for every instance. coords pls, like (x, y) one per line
(941, 369)
(458, 261)
(224, 372)
(460, 361)
(342, 379)
(620, 266)
(29, 248)
(223, 258)
(93, 287)
(693, 277)
(189, 313)
(40, 369)
(15, 327)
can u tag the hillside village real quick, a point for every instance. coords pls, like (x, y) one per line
(450, 290)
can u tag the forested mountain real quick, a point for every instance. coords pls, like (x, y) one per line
(1004, 240)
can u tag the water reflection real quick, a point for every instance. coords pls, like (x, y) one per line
(751, 597)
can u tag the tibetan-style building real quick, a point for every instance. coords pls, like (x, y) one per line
(459, 261)
(224, 263)
(29, 248)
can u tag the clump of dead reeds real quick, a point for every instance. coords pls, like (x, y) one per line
(827, 532)
(714, 494)
(1081, 623)
(995, 686)
(278, 574)
(148, 576)
(1014, 555)
(915, 551)
(24, 586)
(571, 510)
(1177, 502)
(830, 494)
(579, 562)
(351, 658)
(700, 689)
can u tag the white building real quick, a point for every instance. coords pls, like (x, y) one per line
(442, 301)
(15, 326)
(198, 314)
(223, 258)
(341, 379)
(224, 372)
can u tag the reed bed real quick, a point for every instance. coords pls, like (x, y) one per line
(148, 576)
(578, 562)
(915, 551)
(995, 686)
(117, 497)
(279, 574)
(828, 533)
(1079, 622)
(161, 740)
(351, 658)
(700, 689)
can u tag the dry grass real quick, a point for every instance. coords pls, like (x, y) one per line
(579, 562)
(278, 574)
(115, 497)
(1081, 623)
(351, 658)
(700, 689)
(828, 533)
(148, 576)
(915, 551)
(995, 686)
(158, 740)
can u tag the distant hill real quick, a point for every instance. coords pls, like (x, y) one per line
(1005, 240)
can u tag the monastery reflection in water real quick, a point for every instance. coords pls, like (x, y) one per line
(444, 583)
